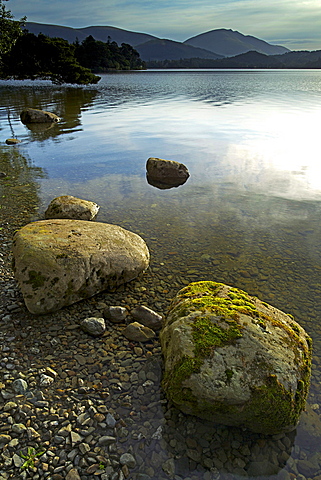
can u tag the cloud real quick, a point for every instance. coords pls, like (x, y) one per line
(293, 23)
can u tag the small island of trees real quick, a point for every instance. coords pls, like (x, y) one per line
(24, 55)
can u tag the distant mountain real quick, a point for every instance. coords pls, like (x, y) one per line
(162, 49)
(99, 33)
(251, 60)
(230, 43)
(296, 60)
(301, 59)
(210, 45)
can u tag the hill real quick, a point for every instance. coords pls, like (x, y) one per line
(301, 59)
(162, 49)
(230, 43)
(101, 33)
(289, 60)
(213, 44)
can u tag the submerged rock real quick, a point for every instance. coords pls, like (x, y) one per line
(147, 317)
(235, 360)
(34, 115)
(163, 186)
(59, 262)
(67, 206)
(12, 141)
(167, 172)
(138, 333)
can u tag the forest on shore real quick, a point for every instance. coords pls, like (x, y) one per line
(24, 55)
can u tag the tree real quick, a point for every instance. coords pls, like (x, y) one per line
(24, 55)
(45, 58)
(101, 56)
(10, 30)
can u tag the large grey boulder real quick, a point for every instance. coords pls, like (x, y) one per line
(59, 262)
(166, 172)
(235, 360)
(67, 206)
(34, 115)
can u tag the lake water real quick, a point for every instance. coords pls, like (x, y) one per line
(249, 215)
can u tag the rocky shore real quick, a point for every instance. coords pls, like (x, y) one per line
(77, 407)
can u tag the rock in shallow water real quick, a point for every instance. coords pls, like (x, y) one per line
(138, 333)
(34, 115)
(59, 262)
(166, 172)
(67, 206)
(235, 360)
(12, 141)
(147, 317)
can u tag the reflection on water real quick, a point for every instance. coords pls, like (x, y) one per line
(248, 216)
(19, 188)
(67, 103)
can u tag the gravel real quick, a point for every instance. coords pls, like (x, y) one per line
(73, 406)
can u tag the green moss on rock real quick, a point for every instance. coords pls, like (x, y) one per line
(216, 316)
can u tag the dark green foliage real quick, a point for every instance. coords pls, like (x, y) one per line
(10, 30)
(47, 58)
(101, 56)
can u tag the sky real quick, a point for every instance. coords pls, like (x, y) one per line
(291, 23)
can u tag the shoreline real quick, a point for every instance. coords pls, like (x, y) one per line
(94, 407)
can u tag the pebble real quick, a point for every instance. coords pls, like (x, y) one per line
(116, 314)
(138, 332)
(94, 326)
(20, 386)
(147, 317)
(127, 459)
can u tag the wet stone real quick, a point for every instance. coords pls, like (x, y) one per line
(116, 314)
(146, 316)
(138, 333)
(128, 459)
(20, 386)
(94, 326)
(106, 440)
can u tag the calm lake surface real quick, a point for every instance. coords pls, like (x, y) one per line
(250, 213)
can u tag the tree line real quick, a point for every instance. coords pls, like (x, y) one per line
(24, 55)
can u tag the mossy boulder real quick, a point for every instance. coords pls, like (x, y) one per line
(235, 360)
(60, 262)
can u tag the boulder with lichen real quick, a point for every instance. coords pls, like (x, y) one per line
(60, 262)
(235, 360)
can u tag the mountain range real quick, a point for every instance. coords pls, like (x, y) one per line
(215, 44)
